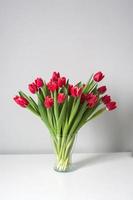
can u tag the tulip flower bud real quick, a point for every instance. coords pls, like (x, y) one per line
(21, 101)
(52, 86)
(69, 89)
(75, 91)
(48, 102)
(61, 81)
(102, 89)
(106, 99)
(98, 76)
(33, 88)
(91, 100)
(111, 105)
(39, 82)
(55, 76)
(61, 98)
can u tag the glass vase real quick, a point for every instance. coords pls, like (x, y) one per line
(64, 155)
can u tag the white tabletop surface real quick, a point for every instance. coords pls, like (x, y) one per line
(94, 177)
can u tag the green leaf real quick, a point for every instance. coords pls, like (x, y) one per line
(74, 109)
(89, 83)
(67, 86)
(29, 107)
(43, 112)
(41, 94)
(97, 113)
(50, 120)
(85, 116)
(56, 109)
(44, 117)
(92, 87)
(70, 100)
(62, 116)
(79, 84)
(65, 91)
(22, 94)
(44, 89)
(67, 83)
(95, 90)
(77, 119)
(33, 103)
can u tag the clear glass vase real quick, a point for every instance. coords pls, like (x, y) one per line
(63, 164)
(64, 155)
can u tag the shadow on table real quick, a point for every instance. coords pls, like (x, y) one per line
(97, 159)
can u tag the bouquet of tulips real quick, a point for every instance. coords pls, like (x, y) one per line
(65, 108)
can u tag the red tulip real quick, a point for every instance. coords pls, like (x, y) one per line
(55, 76)
(102, 89)
(69, 89)
(106, 99)
(91, 100)
(21, 101)
(61, 81)
(61, 98)
(39, 82)
(48, 102)
(98, 76)
(111, 105)
(76, 91)
(52, 86)
(83, 98)
(33, 88)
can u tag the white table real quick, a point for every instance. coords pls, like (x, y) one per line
(95, 177)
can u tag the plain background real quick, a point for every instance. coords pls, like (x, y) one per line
(77, 38)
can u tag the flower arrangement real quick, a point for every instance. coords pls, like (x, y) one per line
(65, 108)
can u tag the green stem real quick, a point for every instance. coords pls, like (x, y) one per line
(63, 154)
(69, 146)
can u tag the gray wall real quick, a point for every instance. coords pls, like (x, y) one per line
(77, 38)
